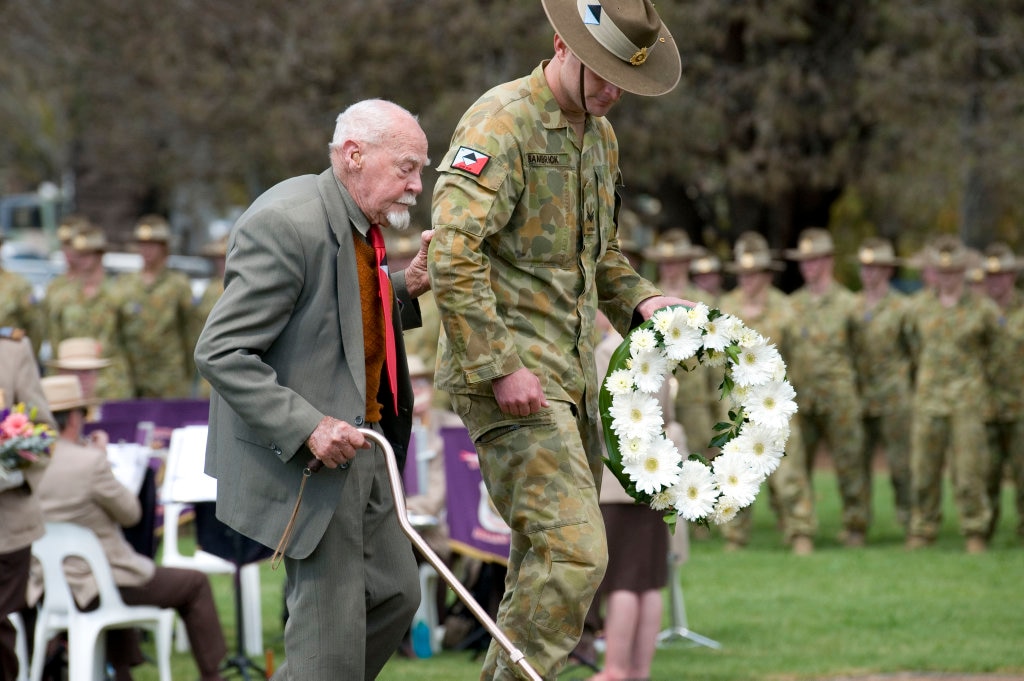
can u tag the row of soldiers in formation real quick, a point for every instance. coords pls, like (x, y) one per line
(930, 378)
(933, 378)
(146, 322)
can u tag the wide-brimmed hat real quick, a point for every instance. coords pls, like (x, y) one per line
(673, 245)
(152, 228)
(877, 250)
(64, 392)
(814, 242)
(88, 240)
(975, 271)
(70, 225)
(625, 43)
(79, 354)
(751, 254)
(999, 258)
(216, 249)
(947, 253)
(705, 262)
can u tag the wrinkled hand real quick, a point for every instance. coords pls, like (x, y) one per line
(335, 442)
(648, 307)
(417, 282)
(519, 393)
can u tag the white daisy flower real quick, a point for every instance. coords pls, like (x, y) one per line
(715, 359)
(771, 403)
(658, 469)
(663, 319)
(662, 501)
(693, 496)
(697, 316)
(632, 449)
(762, 446)
(756, 364)
(619, 382)
(725, 510)
(746, 337)
(641, 340)
(681, 340)
(636, 415)
(649, 369)
(721, 332)
(735, 478)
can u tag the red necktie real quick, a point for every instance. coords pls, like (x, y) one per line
(377, 241)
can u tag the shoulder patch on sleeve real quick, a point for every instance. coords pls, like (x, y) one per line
(470, 160)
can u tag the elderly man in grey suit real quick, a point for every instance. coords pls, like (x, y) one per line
(296, 351)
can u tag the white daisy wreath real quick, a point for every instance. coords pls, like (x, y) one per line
(752, 441)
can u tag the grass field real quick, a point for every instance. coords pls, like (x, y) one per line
(839, 612)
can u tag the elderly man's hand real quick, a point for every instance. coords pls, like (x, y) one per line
(417, 282)
(335, 442)
(648, 307)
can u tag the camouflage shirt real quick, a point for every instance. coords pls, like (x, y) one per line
(882, 353)
(18, 309)
(1006, 364)
(821, 344)
(526, 247)
(950, 347)
(157, 331)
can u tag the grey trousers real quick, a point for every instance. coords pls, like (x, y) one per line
(352, 600)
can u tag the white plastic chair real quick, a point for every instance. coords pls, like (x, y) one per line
(20, 646)
(185, 483)
(86, 630)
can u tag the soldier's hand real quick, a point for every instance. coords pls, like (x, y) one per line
(335, 442)
(519, 393)
(648, 307)
(417, 282)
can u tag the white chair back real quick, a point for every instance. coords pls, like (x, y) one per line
(86, 659)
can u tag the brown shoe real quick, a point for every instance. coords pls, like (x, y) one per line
(976, 544)
(915, 542)
(802, 546)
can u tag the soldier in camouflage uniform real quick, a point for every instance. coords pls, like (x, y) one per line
(1005, 417)
(18, 308)
(697, 401)
(216, 252)
(156, 310)
(882, 358)
(820, 361)
(706, 274)
(951, 339)
(89, 306)
(767, 310)
(69, 226)
(524, 251)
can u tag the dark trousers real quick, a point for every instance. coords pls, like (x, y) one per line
(189, 593)
(14, 568)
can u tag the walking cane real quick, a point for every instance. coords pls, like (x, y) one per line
(395, 477)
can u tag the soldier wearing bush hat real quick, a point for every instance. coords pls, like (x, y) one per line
(883, 361)
(953, 330)
(518, 270)
(1005, 415)
(157, 316)
(766, 309)
(821, 369)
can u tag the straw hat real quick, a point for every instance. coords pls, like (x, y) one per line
(79, 354)
(153, 228)
(673, 245)
(878, 251)
(65, 392)
(625, 43)
(999, 257)
(814, 242)
(705, 262)
(751, 254)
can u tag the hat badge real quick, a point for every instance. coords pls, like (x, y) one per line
(867, 256)
(806, 245)
(747, 260)
(994, 265)
(945, 258)
(145, 232)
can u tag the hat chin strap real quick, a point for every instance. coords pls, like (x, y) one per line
(583, 94)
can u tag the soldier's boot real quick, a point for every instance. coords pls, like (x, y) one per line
(976, 543)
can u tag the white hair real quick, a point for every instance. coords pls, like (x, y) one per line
(370, 121)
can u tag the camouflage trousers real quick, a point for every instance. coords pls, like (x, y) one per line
(891, 432)
(542, 472)
(839, 424)
(962, 436)
(1006, 449)
(792, 497)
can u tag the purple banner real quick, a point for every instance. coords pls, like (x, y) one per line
(474, 527)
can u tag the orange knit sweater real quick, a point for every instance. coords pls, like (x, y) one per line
(373, 323)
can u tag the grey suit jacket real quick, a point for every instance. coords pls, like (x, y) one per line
(282, 348)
